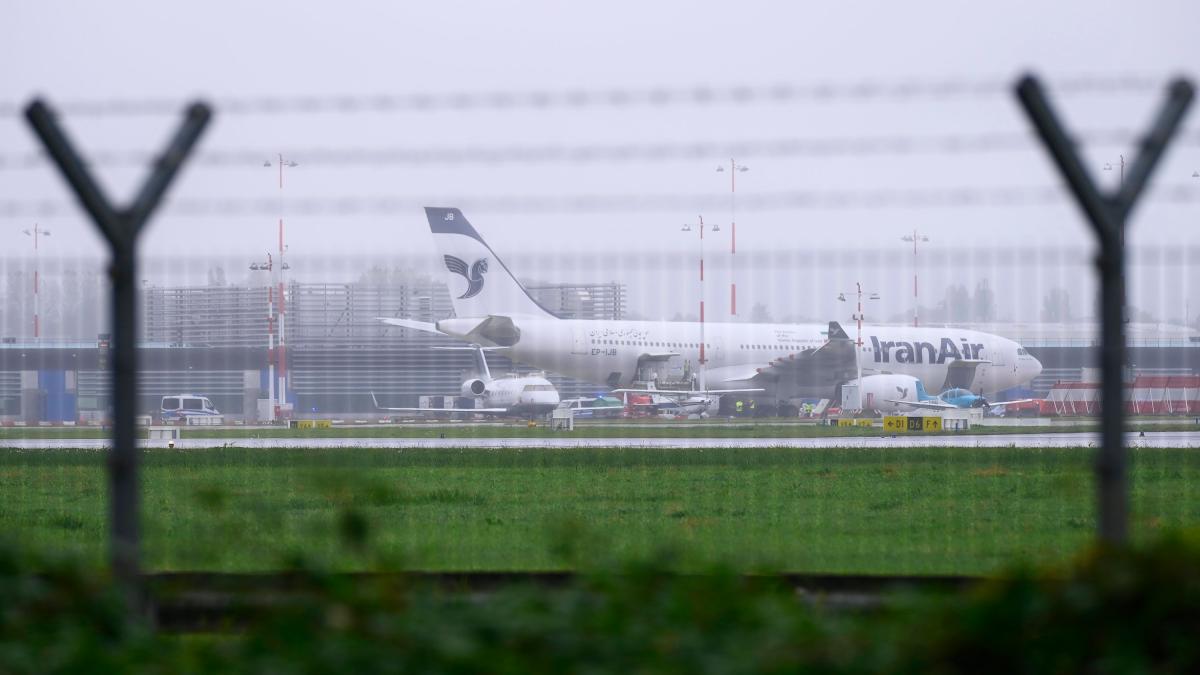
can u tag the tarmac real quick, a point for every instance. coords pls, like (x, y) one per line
(1149, 439)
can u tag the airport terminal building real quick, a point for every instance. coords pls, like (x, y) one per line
(214, 341)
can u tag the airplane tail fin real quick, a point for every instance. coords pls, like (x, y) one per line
(481, 364)
(922, 395)
(480, 284)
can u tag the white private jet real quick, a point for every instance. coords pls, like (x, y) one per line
(509, 396)
(780, 361)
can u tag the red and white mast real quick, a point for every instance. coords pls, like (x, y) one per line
(277, 326)
(734, 169)
(703, 380)
(37, 232)
(281, 349)
(914, 238)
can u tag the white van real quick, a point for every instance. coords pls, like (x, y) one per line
(188, 408)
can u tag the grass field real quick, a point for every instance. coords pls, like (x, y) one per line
(715, 428)
(829, 510)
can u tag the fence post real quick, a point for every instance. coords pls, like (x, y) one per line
(1107, 214)
(121, 228)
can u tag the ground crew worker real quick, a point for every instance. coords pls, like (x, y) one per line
(738, 407)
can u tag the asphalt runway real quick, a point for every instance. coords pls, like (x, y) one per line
(1150, 439)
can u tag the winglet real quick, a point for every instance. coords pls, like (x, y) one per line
(836, 332)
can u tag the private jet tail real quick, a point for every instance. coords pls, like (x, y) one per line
(480, 284)
(480, 353)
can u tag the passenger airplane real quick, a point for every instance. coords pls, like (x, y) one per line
(781, 361)
(516, 396)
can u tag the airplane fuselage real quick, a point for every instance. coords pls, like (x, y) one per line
(618, 353)
(528, 395)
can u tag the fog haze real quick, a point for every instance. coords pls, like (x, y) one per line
(791, 203)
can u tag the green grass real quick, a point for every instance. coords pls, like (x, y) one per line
(825, 510)
(715, 428)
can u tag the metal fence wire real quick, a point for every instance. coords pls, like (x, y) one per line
(340, 354)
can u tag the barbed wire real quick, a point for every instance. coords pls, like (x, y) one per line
(934, 198)
(799, 253)
(952, 144)
(896, 90)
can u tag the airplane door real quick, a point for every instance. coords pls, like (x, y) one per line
(580, 342)
(983, 377)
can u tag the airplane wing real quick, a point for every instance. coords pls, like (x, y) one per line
(410, 323)
(431, 411)
(926, 405)
(685, 392)
(1023, 400)
(437, 410)
(658, 356)
(812, 371)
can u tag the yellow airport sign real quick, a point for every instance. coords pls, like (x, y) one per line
(901, 424)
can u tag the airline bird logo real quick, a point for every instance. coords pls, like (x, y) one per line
(474, 278)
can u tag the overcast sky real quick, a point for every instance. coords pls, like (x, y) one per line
(239, 52)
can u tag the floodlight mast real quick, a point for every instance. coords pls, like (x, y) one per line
(703, 376)
(915, 237)
(858, 343)
(734, 170)
(36, 233)
(277, 328)
(1120, 186)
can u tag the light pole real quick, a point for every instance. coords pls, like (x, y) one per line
(858, 317)
(278, 354)
(37, 232)
(1187, 303)
(703, 360)
(915, 237)
(269, 267)
(1120, 184)
(734, 170)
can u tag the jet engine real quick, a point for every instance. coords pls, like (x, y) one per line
(879, 390)
(474, 388)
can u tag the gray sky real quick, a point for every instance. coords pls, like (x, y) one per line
(223, 50)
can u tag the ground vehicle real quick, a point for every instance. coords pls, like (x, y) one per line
(190, 408)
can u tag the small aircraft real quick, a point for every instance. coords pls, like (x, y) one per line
(950, 399)
(682, 401)
(595, 406)
(514, 395)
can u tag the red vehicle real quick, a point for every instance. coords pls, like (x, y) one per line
(640, 405)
